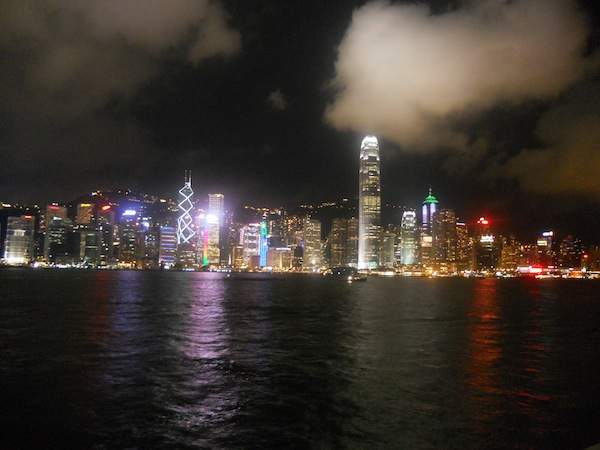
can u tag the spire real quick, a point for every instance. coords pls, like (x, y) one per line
(430, 198)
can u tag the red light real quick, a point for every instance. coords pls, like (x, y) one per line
(28, 217)
(483, 221)
(105, 207)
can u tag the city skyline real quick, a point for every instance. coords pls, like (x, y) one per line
(129, 231)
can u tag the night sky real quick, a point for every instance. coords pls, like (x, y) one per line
(495, 104)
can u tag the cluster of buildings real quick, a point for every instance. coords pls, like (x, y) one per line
(126, 230)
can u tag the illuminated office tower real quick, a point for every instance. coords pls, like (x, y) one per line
(487, 247)
(337, 242)
(18, 249)
(545, 253)
(570, 253)
(430, 206)
(343, 242)
(54, 210)
(369, 204)
(85, 214)
(279, 258)
(443, 230)
(250, 241)
(311, 234)
(129, 238)
(167, 247)
(509, 254)
(216, 204)
(388, 249)
(150, 245)
(214, 227)
(464, 247)
(185, 230)
(56, 242)
(263, 242)
(408, 238)
(106, 229)
(90, 245)
(352, 243)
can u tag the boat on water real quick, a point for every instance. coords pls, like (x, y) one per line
(349, 274)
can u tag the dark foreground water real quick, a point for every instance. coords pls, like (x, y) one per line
(185, 360)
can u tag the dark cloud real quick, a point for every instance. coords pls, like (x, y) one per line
(408, 75)
(66, 63)
(568, 159)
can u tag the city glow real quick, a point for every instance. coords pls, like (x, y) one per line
(129, 212)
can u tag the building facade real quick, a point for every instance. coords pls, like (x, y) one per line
(369, 205)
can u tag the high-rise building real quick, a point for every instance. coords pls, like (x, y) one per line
(185, 223)
(464, 248)
(570, 253)
(250, 241)
(545, 250)
(388, 249)
(18, 249)
(279, 258)
(129, 239)
(167, 247)
(211, 236)
(56, 242)
(90, 245)
(352, 243)
(444, 240)
(487, 247)
(263, 246)
(337, 242)
(430, 206)
(510, 254)
(216, 204)
(369, 204)
(106, 229)
(312, 244)
(54, 210)
(85, 214)
(408, 238)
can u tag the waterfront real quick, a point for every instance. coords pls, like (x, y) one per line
(126, 359)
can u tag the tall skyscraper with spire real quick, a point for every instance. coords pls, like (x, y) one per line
(430, 206)
(185, 230)
(369, 204)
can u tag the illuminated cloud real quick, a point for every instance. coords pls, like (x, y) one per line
(277, 100)
(408, 74)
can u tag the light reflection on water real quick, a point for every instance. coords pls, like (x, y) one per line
(188, 360)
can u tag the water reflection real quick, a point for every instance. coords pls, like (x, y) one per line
(485, 350)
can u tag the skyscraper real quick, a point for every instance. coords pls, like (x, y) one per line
(337, 242)
(408, 238)
(444, 240)
(369, 204)
(85, 213)
(216, 204)
(311, 259)
(19, 240)
(167, 247)
(430, 206)
(388, 247)
(185, 231)
(352, 243)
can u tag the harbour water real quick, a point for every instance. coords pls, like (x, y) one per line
(125, 359)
